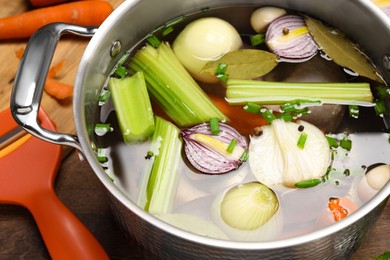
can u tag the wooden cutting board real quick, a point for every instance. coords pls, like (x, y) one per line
(69, 49)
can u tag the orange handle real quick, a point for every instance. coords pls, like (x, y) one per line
(64, 235)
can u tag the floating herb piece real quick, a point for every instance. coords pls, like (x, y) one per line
(341, 49)
(346, 143)
(353, 111)
(257, 39)
(154, 40)
(244, 64)
(308, 183)
(221, 71)
(214, 126)
(302, 140)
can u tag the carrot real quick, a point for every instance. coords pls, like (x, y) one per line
(57, 89)
(341, 207)
(86, 13)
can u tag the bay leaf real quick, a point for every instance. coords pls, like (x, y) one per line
(341, 49)
(244, 64)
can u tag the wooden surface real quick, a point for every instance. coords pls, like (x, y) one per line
(76, 184)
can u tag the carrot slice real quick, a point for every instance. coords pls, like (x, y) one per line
(57, 89)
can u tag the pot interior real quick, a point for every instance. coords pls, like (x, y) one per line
(129, 26)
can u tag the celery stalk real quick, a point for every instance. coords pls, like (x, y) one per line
(173, 88)
(263, 92)
(159, 183)
(133, 107)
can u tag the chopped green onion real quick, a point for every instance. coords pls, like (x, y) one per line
(298, 105)
(332, 141)
(214, 126)
(167, 30)
(308, 183)
(102, 129)
(263, 92)
(231, 146)
(245, 155)
(154, 41)
(159, 182)
(101, 157)
(104, 96)
(380, 107)
(121, 71)
(302, 140)
(257, 39)
(383, 92)
(173, 88)
(221, 71)
(252, 108)
(353, 111)
(346, 144)
(133, 107)
(285, 116)
(267, 114)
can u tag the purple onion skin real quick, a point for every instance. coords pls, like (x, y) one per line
(205, 160)
(298, 50)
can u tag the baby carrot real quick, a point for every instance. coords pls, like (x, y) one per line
(86, 13)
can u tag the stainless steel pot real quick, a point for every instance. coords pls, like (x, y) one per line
(360, 19)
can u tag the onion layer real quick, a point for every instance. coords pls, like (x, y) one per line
(289, 38)
(208, 153)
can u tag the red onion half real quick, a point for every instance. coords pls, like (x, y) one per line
(289, 38)
(204, 157)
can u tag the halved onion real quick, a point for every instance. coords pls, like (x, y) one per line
(208, 153)
(289, 38)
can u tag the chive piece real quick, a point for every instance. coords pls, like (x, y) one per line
(121, 71)
(257, 39)
(101, 157)
(332, 141)
(154, 41)
(221, 72)
(286, 117)
(132, 107)
(183, 101)
(308, 183)
(159, 182)
(244, 157)
(102, 129)
(380, 107)
(297, 105)
(267, 114)
(302, 140)
(214, 126)
(104, 96)
(346, 144)
(167, 31)
(252, 108)
(231, 146)
(353, 111)
(241, 91)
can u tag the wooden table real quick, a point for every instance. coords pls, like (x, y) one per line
(77, 185)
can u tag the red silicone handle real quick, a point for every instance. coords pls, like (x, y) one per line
(64, 235)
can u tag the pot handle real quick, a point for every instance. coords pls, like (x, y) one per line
(31, 77)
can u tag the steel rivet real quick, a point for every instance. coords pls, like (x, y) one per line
(116, 47)
(386, 61)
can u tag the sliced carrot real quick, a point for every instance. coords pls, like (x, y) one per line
(19, 52)
(86, 13)
(341, 207)
(55, 69)
(57, 89)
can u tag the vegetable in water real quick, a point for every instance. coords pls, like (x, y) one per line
(289, 38)
(264, 92)
(373, 181)
(133, 107)
(173, 88)
(203, 40)
(275, 158)
(262, 17)
(214, 153)
(159, 183)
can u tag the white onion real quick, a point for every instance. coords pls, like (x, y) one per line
(262, 17)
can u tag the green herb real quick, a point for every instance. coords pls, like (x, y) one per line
(154, 41)
(133, 107)
(252, 108)
(174, 21)
(384, 256)
(245, 155)
(173, 88)
(149, 155)
(297, 105)
(101, 129)
(286, 117)
(267, 115)
(353, 111)
(221, 71)
(380, 107)
(214, 126)
(257, 39)
(231, 146)
(244, 63)
(333, 143)
(159, 182)
(104, 96)
(308, 183)
(101, 157)
(167, 31)
(346, 144)
(302, 140)
(121, 71)
(265, 92)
